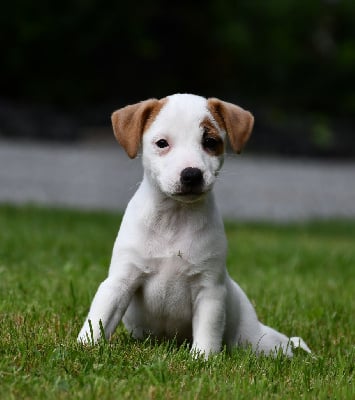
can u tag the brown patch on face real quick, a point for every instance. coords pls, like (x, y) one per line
(238, 123)
(154, 113)
(130, 122)
(212, 141)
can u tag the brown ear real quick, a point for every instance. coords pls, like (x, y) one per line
(130, 122)
(237, 122)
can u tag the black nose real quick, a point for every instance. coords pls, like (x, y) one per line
(191, 177)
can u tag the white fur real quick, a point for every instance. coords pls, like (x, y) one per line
(168, 276)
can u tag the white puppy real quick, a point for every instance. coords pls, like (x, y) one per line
(168, 276)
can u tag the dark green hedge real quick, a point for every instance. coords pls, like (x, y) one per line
(283, 55)
(297, 52)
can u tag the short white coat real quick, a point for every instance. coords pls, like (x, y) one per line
(168, 275)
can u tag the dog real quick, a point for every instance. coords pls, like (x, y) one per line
(168, 276)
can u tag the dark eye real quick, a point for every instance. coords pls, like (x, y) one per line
(161, 143)
(210, 143)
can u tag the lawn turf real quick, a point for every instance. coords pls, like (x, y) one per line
(300, 277)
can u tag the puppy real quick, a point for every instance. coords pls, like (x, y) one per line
(168, 275)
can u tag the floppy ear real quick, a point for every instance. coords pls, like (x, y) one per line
(238, 123)
(130, 122)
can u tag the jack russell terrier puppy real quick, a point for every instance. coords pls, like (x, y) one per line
(168, 275)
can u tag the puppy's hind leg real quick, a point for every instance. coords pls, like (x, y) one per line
(245, 328)
(272, 341)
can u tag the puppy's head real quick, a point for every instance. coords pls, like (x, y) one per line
(183, 138)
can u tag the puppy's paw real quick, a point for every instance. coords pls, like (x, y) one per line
(198, 354)
(298, 343)
(90, 333)
(85, 339)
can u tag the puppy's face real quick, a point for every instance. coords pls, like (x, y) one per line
(183, 148)
(183, 138)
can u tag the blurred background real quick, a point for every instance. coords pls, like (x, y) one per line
(65, 66)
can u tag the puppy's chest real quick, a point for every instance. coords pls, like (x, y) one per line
(168, 287)
(176, 250)
(174, 263)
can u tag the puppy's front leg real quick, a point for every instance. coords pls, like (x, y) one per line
(208, 321)
(109, 304)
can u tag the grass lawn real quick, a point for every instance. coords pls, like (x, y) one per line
(299, 276)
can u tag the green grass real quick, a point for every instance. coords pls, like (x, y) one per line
(299, 276)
